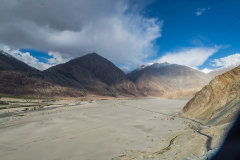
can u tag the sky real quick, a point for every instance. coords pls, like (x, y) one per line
(202, 34)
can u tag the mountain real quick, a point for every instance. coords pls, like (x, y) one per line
(95, 73)
(125, 71)
(224, 69)
(18, 78)
(87, 75)
(218, 102)
(161, 78)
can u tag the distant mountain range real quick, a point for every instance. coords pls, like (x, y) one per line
(224, 69)
(95, 75)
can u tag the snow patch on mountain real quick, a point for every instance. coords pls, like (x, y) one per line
(206, 70)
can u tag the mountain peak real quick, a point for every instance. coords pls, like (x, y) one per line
(94, 53)
(158, 65)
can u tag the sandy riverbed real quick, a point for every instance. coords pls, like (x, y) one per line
(111, 129)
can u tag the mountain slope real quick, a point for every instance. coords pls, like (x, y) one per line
(161, 78)
(218, 102)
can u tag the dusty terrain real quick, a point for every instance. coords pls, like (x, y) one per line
(185, 94)
(103, 129)
(98, 130)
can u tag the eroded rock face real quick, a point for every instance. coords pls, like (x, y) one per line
(217, 102)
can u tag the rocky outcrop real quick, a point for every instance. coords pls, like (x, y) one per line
(218, 102)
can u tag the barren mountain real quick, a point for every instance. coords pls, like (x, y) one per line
(217, 102)
(224, 69)
(17, 78)
(95, 73)
(161, 78)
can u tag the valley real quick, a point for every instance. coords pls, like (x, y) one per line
(119, 80)
(88, 108)
(102, 129)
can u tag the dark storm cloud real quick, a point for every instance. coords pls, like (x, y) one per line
(114, 29)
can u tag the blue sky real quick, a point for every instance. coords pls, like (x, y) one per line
(184, 28)
(128, 33)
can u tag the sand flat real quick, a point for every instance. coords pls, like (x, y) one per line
(101, 130)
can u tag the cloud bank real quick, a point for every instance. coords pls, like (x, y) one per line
(71, 28)
(33, 61)
(226, 61)
(192, 57)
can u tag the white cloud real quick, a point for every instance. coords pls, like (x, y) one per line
(206, 70)
(225, 61)
(200, 11)
(192, 57)
(33, 61)
(57, 58)
(114, 29)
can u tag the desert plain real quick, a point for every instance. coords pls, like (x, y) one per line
(101, 130)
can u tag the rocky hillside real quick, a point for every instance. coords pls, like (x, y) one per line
(217, 102)
(161, 78)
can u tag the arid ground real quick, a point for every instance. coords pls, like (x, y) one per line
(98, 130)
(102, 130)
